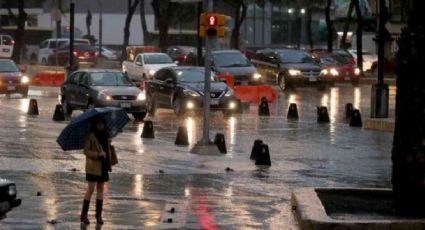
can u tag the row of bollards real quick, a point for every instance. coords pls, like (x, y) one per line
(352, 115)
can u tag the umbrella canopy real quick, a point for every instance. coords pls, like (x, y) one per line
(74, 134)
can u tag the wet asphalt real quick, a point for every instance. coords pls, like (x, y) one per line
(154, 175)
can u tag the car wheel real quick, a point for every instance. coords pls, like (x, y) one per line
(178, 106)
(151, 104)
(139, 116)
(67, 109)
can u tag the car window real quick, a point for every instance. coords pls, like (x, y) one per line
(157, 59)
(295, 56)
(43, 44)
(7, 40)
(84, 79)
(8, 66)
(193, 75)
(109, 79)
(161, 75)
(75, 78)
(230, 60)
(139, 58)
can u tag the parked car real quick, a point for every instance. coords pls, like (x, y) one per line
(289, 68)
(338, 66)
(108, 54)
(12, 79)
(6, 46)
(8, 194)
(92, 88)
(84, 55)
(182, 89)
(48, 47)
(235, 63)
(145, 65)
(179, 53)
(390, 64)
(368, 59)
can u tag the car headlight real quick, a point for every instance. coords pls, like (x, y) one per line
(324, 72)
(141, 96)
(229, 93)
(257, 76)
(105, 97)
(152, 72)
(25, 80)
(357, 71)
(12, 190)
(333, 72)
(189, 92)
(294, 72)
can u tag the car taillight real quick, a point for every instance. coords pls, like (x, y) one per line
(75, 53)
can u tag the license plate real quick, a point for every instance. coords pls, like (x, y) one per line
(346, 78)
(312, 79)
(125, 105)
(214, 102)
(11, 88)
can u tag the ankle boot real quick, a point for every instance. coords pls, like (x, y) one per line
(83, 218)
(99, 207)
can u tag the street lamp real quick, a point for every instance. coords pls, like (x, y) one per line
(302, 11)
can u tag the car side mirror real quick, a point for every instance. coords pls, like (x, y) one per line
(169, 81)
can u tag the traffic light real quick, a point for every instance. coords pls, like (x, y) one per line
(212, 25)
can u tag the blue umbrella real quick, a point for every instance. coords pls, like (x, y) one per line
(74, 134)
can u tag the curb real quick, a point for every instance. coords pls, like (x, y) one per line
(379, 124)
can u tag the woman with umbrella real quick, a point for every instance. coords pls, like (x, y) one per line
(92, 131)
(98, 164)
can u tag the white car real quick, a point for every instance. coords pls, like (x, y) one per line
(145, 65)
(368, 58)
(47, 47)
(108, 54)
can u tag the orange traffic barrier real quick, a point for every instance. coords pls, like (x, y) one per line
(254, 93)
(228, 78)
(48, 78)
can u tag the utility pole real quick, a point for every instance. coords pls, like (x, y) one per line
(100, 26)
(71, 38)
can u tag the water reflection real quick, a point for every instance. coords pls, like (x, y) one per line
(138, 185)
(23, 105)
(191, 129)
(357, 98)
(231, 130)
(324, 101)
(333, 113)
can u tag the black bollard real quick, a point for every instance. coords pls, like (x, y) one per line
(220, 141)
(292, 111)
(348, 111)
(322, 115)
(59, 115)
(148, 131)
(33, 107)
(356, 119)
(182, 137)
(264, 156)
(263, 108)
(256, 149)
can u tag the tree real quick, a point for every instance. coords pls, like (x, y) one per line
(131, 8)
(408, 152)
(359, 34)
(329, 25)
(163, 15)
(147, 38)
(240, 7)
(20, 31)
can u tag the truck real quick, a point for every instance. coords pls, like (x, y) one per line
(143, 66)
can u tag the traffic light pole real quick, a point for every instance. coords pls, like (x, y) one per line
(206, 131)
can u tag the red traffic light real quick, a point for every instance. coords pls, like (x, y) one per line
(212, 20)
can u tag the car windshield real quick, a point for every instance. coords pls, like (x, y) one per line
(8, 66)
(109, 79)
(334, 59)
(295, 56)
(157, 59)
(193, 75)
(230, 60)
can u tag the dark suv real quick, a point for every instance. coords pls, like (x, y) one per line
(7, 197)
(289, 67)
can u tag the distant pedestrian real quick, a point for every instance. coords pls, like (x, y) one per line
(98, 165)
